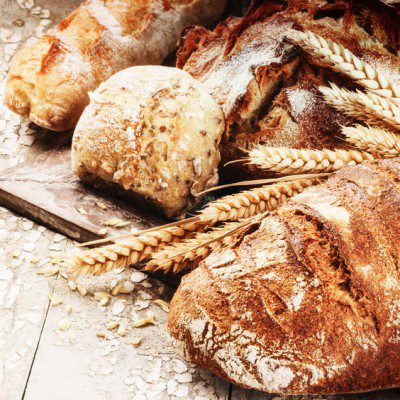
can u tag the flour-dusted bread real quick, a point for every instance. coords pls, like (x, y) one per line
(155, 132)
(267, 88)
(310, 302)
(49, 80)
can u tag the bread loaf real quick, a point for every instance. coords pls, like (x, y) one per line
(310, 302)
(267, 89)
(49, 81)
(153, 131)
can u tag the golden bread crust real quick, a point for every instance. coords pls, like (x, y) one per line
(308, 303)
(154, 131)
(49, 80)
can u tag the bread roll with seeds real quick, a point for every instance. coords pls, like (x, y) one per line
(310, 302)
(49, 81)
(155, 132)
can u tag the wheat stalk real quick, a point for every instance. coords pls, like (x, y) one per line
(126, 252)
(252, 202)
(367, 107)
(374, 140)
(186, 254)
(340, 59)
(287, 160)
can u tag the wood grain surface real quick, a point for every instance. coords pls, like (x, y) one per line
(38, 360)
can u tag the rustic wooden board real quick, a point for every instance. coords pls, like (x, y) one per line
(45, 190)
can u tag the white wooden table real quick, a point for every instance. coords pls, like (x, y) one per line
(38, 360)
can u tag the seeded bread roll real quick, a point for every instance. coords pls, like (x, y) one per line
(155, 132)
(49, 80)
(310, 302)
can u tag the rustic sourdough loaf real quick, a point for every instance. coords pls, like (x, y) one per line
(265, 86)
(155, 132)
(310, 302)
(49, 80)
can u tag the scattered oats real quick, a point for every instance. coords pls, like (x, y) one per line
(68, 309)
(101, 205)
(55, 301)
(129, 381)
(162, 304)
(33, 236)
(144, 295)
(27, 225)
(118, 307)
(58, 238)
(64, 324)
(101, 335)
(116, 223)
(48, 271)
(121, 330)
(127, 287)
(104, 301)
(137, 276)
(112, 325)
(83, 211)
(184, 378)
(72, 285)
(179, 366)
(115, 290)
(141, 305)
(150, 314)
(81, 289)
(135, 341)
(148, 320)
(107, 371)
(100, 295)
(103, 231)
(35, 260)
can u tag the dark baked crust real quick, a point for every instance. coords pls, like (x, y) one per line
(309, 303)
(261, 112)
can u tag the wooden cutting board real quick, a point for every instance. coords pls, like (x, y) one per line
(45, 190)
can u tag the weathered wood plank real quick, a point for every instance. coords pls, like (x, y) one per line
(23, 298)
(45, 190)
(77, 364)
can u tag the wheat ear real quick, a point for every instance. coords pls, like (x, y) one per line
(286, 160)
(367, 107)
(340, 59)
(252, 202)
(375, 140)
(126, 252)
(188, 253)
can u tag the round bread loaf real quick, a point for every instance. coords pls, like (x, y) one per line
(154, 131)
(310, 302)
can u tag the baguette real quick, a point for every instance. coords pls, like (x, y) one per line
(50, 80)
(309, 303)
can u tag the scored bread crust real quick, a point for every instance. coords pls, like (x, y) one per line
(310, 302)
(155, 132)
(49, 80)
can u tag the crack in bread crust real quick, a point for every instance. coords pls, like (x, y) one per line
(308, 299)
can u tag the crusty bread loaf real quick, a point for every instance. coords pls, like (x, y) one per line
(49, 81)
(267, 90)
(310, 302)
(155, 132)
